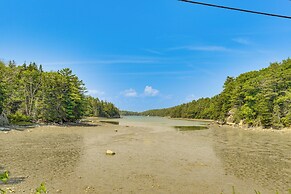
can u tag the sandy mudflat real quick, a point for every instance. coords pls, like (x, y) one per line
(148, 160)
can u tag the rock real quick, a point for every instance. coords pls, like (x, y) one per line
(241, 123)
(230, 119)
(110, 152)
(11, 190)
(3, 120)
(231, 114)
(4, 129)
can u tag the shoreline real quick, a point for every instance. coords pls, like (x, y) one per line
(236, 126)
(90, 122)
(259, 129)
(188, 119)
(102, 122)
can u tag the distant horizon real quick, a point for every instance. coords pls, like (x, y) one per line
(145, 55)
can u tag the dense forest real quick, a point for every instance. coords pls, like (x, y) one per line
(29, 94)
(256, 98)
(129, 113)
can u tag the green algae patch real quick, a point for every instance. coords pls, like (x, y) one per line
(190, 128)
(111, 122)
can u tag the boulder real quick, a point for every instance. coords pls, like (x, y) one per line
(3, 120)
(110, 152)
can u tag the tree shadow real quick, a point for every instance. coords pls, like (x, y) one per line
(81, 125)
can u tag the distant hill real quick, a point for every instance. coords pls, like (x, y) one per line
(256, 98)
(129, 113)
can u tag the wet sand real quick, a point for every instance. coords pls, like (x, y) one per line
(148, 160)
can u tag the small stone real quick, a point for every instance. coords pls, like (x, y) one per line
(11, 190)
(110, 152)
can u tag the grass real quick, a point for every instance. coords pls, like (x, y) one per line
(4, 177)
(190, 128)
(41, 189)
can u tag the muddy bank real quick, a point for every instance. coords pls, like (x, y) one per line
(148, 159)
(261, 155)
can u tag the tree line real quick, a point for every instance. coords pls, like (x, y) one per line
(256, 98)
(129, 113)
(30, 94)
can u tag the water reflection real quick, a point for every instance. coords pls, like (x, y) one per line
(264, 157)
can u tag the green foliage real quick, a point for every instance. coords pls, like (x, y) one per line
(41, 189)
(2, 86)
(19, 117)
(62, 97)
(258, 192)
(96, 108)
(247, 113)
(3, 191)
(260, 98)
(129, 113)
(28, 94)
(287, 120)
(4, 177)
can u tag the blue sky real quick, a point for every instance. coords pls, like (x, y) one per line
(145, 54)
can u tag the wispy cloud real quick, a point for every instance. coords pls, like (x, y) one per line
(156, 73)
(150, 91)
(130, 93)
(152, 51)
(243, 41)
(108, 60)
(212, 48)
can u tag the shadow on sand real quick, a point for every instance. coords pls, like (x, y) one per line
(14, 181)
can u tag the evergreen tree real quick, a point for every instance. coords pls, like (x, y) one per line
(27, 93)
(258, 98)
